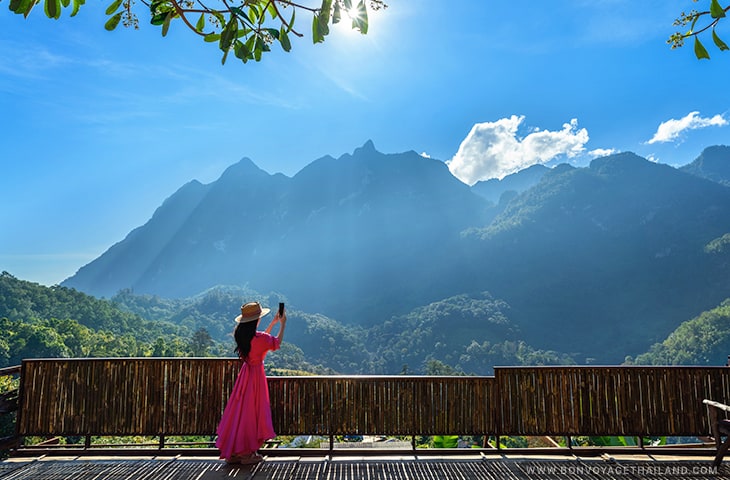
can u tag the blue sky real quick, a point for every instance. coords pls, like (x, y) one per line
(99, 128)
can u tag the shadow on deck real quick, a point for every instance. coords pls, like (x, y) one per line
(351, 468)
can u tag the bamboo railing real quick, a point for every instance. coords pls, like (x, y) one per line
(184, 396)
(123, 396)
(611, 401)
(385, 405)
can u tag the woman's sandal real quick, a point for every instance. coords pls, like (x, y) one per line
(250, 459)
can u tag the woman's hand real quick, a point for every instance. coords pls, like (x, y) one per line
(282, 326)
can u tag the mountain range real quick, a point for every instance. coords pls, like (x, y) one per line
(596, 262)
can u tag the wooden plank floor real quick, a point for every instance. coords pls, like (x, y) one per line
(343, 468)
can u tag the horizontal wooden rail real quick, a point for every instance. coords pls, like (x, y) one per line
(8, 371)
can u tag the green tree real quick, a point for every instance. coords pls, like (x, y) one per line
(699, 23)
(437, 367)
(174, 347)
(703, 340)
(200, 343)
(445, 441)
(246, 28)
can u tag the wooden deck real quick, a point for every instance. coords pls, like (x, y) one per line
(407, 467)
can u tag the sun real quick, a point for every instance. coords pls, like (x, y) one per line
(346, 26)
(354, 21)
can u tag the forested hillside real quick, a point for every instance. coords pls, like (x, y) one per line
(470, 333)
(466, 334)
(59, 322)
(463, 334)
(703, 340)
(38, 322)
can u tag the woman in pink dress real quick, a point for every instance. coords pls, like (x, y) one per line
(246, 421)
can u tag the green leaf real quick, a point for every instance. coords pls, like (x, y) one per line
(258, 49)
(251, 43)
(155, 6)
(273, 32)
(158, 19)
(166, 24)
(253, 13)
(326, 10)
(336, 15)
(363, 13)
(360, 20)
(113, 7)
(52, 8)
(272, 11)
(22, 6)
(321, 22)
(228, 35)
(291, 22)
(65, 3)
(720, 44)
(15, 6)
(76, 5)
(225, 56)
(700, 50)
(284, 39)
(200, 25)
(316, 35)
(112, 23)
(694, 22)
(212, 37)
(716, 10)
(348, 4)
(241, 51)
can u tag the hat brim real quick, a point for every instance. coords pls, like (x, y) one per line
(264, 312)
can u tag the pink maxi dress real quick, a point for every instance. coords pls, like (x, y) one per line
(246, 421)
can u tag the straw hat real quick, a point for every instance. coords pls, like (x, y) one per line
(251, 311)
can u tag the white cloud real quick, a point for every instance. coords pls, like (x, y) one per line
(602, 152)
(673, 128)
(425, 155)
(494, 150)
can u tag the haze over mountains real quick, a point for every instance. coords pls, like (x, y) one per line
(597, 262)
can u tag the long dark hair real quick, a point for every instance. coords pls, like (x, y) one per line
(243, 334)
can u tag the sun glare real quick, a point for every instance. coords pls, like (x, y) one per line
(350, 18)
(345, 27)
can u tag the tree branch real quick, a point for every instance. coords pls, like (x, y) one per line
(283, 21)
(181, 13)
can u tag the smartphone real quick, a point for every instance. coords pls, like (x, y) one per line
(281, 308)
